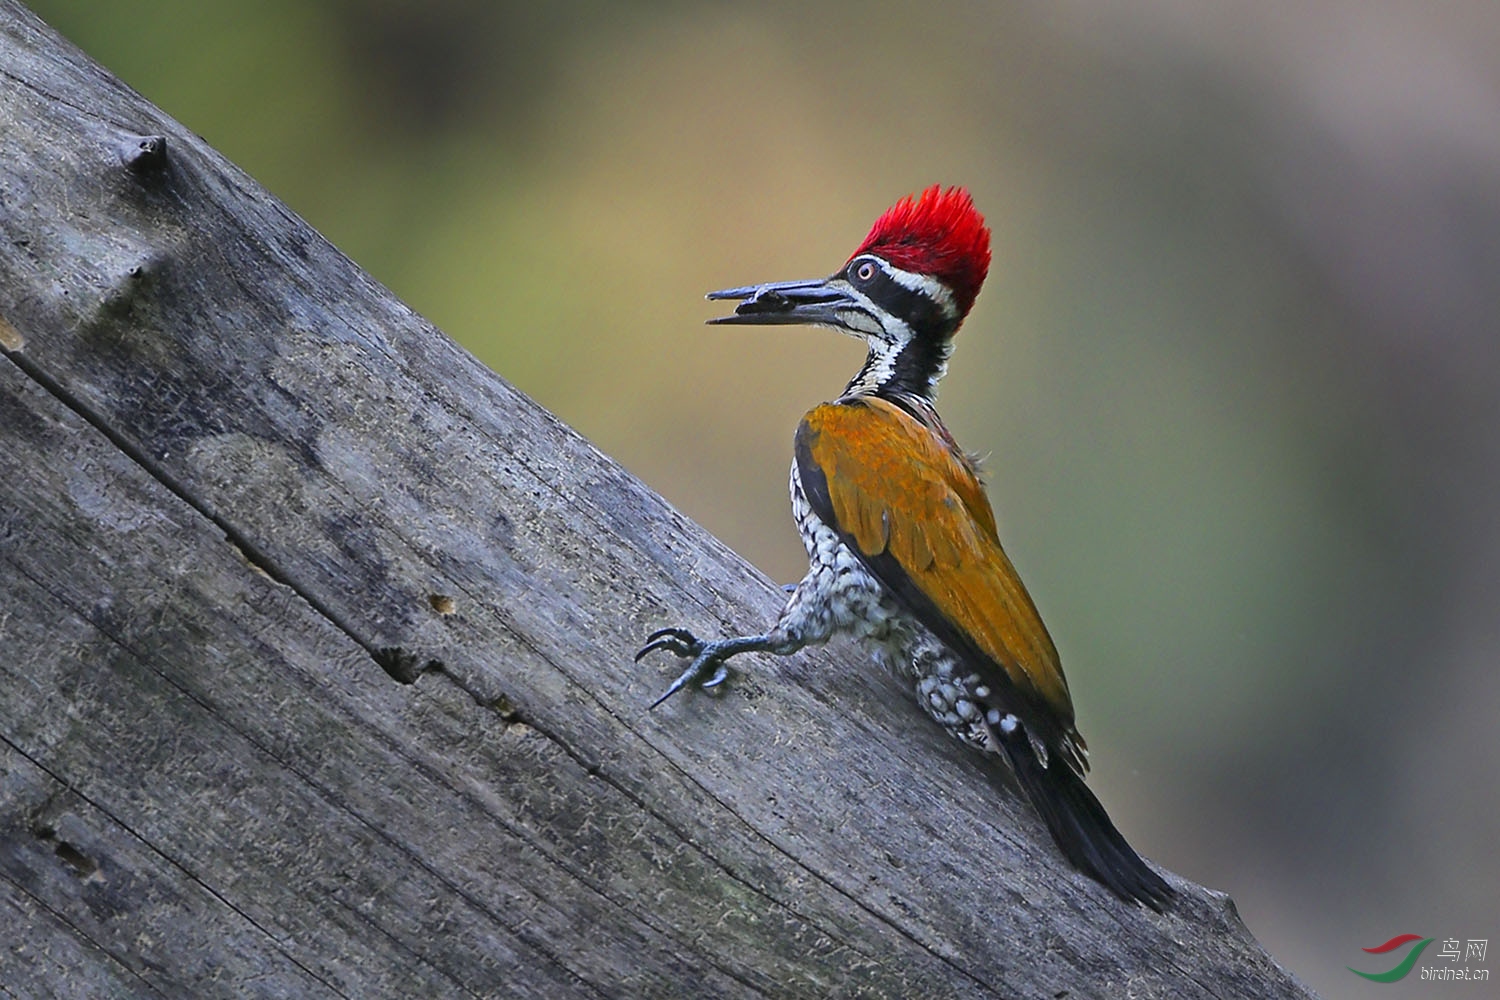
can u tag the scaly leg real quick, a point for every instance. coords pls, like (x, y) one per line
(710, 668)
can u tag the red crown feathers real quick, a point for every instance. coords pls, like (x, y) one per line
(941, 234)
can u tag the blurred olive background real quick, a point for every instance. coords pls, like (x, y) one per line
(1235, 373)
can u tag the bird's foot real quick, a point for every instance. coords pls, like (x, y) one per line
(708, 669)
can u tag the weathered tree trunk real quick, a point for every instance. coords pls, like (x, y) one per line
(316, 674)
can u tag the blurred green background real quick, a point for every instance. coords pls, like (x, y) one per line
(1236, 371)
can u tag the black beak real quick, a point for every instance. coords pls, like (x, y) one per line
(781, 303)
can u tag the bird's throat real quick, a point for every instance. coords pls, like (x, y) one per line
(913, 368)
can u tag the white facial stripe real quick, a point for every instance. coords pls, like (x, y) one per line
(926, 284)
(864, 320)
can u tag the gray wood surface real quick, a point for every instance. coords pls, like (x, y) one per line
(317, 673)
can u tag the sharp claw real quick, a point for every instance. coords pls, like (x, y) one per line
(678, 633)
(677, 685)
(694, 674)
(665, 642)
(679, 641)
(708, 669)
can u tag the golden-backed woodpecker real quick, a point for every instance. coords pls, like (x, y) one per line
(900, 535)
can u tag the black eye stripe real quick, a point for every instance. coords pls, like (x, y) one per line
(917, 308)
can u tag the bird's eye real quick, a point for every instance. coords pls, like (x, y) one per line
(864, 272)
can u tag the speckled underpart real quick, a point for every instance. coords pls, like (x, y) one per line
(839, 596)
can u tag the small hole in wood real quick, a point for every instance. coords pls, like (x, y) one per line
(402, 666)
(83, 866)
(442, 604)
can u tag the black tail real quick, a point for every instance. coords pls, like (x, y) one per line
(1081, 827)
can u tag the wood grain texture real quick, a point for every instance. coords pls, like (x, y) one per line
(317, 676)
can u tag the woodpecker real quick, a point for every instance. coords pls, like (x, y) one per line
(901, 540)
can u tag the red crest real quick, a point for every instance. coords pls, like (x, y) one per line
(941, 234)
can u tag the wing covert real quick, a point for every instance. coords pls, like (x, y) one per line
(902, 497)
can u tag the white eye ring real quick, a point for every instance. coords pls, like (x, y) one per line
(865, 271)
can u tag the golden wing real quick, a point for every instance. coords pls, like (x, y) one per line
(916, 513)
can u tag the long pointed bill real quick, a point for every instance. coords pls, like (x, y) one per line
(785, 302)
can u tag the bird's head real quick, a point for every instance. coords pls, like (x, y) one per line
(904, 291)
